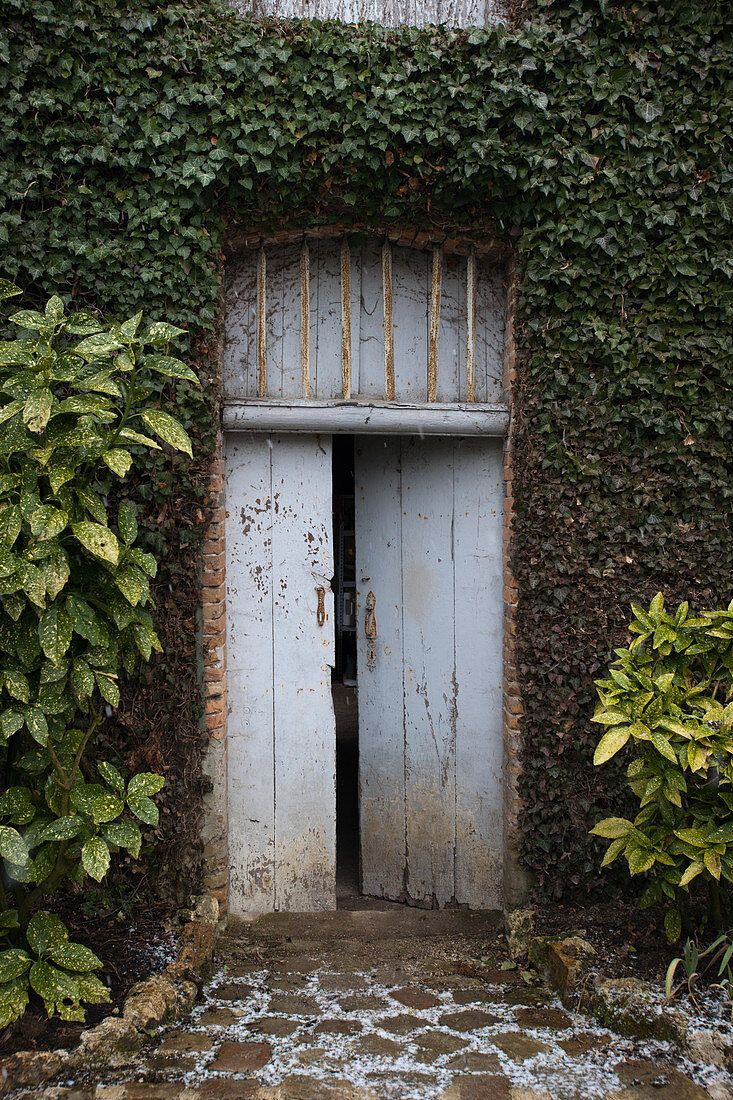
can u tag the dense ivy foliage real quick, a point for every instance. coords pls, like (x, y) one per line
(593, 139)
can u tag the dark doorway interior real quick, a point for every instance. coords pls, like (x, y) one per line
(345, 699)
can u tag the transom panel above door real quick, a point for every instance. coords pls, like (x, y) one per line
(335, 319)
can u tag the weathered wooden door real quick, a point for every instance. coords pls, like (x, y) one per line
(429, 599)
(280, 648)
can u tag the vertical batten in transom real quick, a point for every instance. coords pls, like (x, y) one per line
(305, 321)
(436, 282)
(388, 330)
(346, 318)
(261, 323)
(471, 325)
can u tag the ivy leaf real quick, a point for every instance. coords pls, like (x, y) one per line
(169, 430)
(648, 111)
(95, 858)
(54, 633)
(98, 540)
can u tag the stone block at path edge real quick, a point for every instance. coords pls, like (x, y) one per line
(235, 1057)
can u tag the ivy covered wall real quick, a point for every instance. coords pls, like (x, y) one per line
(593, 139)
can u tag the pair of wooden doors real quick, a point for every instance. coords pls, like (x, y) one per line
(429, 628)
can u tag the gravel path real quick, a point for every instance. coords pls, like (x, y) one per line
(373, 1005)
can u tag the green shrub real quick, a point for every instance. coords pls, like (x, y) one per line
(668, 696)
(75, 405)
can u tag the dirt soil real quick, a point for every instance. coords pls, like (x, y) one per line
(130, 950)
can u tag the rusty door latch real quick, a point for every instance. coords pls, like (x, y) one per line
(370, 630)
(321, 612)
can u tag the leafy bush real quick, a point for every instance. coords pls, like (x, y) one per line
(669, 696)
(75, 404)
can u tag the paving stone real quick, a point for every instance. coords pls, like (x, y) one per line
(439, 1041)
(338, 1027)
(539, 1016)
(470, 1019)
(342, 983)
(362, 1002)
(228, 1088)
(218, 1016)
(235, 1057)
(524, 995)
(392, 1081)
(294, 1005)
(479, 1086)
(299, 1087)
(142, 1090)
(402, 1024)
(475, 1061)
(517, 1046)
(377, 1045)
(279, 1026)
(473, 995)
(645, 1080)
(312, 1056)
(185, 1042)
(577, 1045)
(414, 997)
(232, 991)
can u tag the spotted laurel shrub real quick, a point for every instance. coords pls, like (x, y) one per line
(76, 405)
(669, 698)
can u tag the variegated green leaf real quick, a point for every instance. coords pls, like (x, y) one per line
(37, 410)
(160, 332)
(47, 522)
(125, 835)
(10, 722)
(12, 846)
(169, 430)
(108, 688)
(74, 956)
(63, 828)
(110, 775)
(143, 808)
(127, 524)
(13, 963)
(118, 460)
(98, 540)
(8, 289)
(45, 930)
(172, 368)
(95, 858)
(13, 1000)
(55, 572)
(54, 633)
(146, 639)
(17, 685)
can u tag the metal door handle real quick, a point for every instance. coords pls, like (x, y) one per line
(321, 612)
(370, 630)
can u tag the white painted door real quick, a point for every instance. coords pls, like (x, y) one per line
(429, 550)
(281, 731)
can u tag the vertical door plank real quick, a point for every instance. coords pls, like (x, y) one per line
(326, 343)
(291, 375)
(410, 310)
(239, 364)
(490, 323)
(452, 340)
(371, 324)
(431, 688)
(478, 619)
(305, 736)
(251, 790)
(381, 733)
